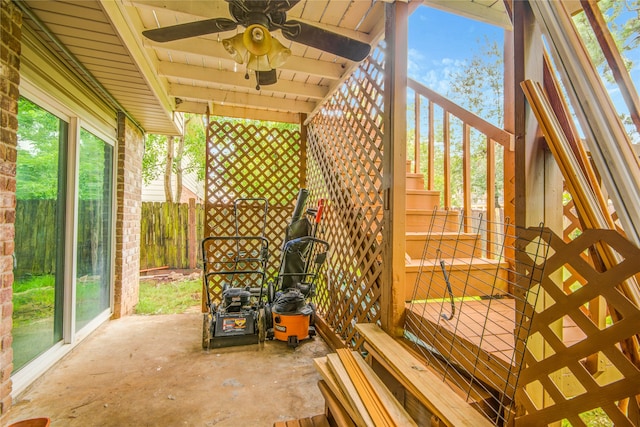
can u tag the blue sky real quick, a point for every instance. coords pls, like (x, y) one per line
(440, 42)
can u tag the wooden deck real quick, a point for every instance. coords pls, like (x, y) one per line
(479, 338)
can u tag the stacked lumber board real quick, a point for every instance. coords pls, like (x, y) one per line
(446, 406)
(355, 396)
(315, 421)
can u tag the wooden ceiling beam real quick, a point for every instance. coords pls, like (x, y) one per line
(215, 109)
(253, 113)
(230, 78)
(227, 97)
(197, 9)
(217, 9)
(323, 69)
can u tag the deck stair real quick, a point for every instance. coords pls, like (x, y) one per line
(469, 273)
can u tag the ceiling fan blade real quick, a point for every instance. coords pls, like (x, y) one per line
(327, 41)
(190, 29)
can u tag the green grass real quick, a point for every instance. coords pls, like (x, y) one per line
(33, 298)
(168, 297)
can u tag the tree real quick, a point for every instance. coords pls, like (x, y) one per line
(39, 138)
(175, 155)
(626, 35)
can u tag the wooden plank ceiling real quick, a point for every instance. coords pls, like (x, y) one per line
(153, 80)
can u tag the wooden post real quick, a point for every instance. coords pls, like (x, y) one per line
(417, 136)
(303, 151)
(394, 168)
(192, 245)
(538, 181)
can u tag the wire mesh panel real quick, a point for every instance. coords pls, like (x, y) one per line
(472, 305)
(246, 160)
(345, 167)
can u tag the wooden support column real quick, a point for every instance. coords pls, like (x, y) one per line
(193, 238)
(303, 151)
(538, 181)
(394, 167)
(510, 86)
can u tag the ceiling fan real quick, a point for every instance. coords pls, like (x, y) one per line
(255, 46)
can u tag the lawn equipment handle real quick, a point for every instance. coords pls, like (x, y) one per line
(300, 202)
(321, 205)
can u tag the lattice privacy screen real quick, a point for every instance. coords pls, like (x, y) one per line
(345, 167)
(583, 362)
(245, 160)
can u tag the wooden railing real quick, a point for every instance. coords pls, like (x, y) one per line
(456, 125)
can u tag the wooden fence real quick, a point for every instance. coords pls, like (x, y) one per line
(170, 236)
(167, 236)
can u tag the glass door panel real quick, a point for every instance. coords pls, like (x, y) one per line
(94, 228)
(39, 232)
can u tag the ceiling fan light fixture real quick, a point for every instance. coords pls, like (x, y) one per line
(257, 39)
(259, 63)
(278, 54)
(235, 47)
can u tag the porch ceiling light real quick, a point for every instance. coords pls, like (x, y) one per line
(256, 48)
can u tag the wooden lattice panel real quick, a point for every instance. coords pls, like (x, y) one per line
(582, 364)
(225, 257)
(345, 167)
(245, 160)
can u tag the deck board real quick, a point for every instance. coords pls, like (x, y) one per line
(479, 338)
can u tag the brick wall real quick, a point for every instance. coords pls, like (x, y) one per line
(10, 36)
(127, 224)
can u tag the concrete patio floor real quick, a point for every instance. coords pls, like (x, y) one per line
(152, 371)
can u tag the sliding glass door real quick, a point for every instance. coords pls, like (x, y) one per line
(38, 287)
(63, 231)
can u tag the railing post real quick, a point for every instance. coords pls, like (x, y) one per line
(394, 168)
(416, 145)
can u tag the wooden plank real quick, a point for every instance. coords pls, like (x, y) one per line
(336, 410)
(614, 59)
(591, 214)
(489, 367)
(427, 387)
(372, 401)
(322, 367)
(347, 386)
(319, 421)
(610, 145)
(397, 413)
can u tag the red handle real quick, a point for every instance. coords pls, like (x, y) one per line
(320, 209)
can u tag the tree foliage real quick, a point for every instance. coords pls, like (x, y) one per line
(39, 136)
(187, 156)
(626, 34)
